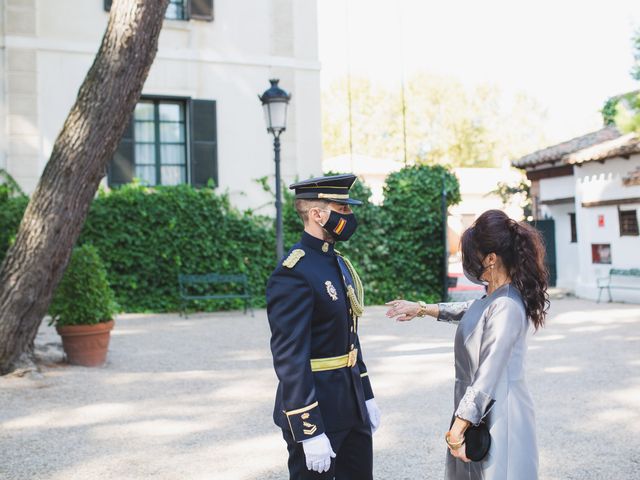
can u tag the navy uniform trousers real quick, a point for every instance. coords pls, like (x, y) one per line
(354, 456)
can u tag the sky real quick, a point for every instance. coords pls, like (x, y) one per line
(570, 55)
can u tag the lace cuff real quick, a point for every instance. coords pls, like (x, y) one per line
(453, 312)
(474, 405)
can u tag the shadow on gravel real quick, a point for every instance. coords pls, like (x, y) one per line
(190, 398)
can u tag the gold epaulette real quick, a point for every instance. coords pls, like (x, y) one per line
(293, 258)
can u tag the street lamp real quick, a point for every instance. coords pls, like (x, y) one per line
(275, 102)
(445, 287)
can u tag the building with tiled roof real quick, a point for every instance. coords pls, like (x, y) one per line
(586, 197)
(556, 153)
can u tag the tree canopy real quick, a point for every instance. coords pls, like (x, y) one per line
(624, 110)
(446, 122)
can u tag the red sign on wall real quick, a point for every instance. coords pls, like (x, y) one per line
(601, 220)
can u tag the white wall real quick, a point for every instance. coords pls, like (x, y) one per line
(566, 252)
(599, 182)
(3, 110)
(229, 60)
(3, 101)
(558, 187)
(475, 185)
(567, 264)
(592, 182)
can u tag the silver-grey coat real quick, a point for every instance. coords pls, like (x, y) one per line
(490, 349)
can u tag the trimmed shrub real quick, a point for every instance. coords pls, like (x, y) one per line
(83, 296)
(413, 261)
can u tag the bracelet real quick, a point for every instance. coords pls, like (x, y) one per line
(422, 311)
(453, 445)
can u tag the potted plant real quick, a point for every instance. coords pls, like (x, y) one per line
(83, 308)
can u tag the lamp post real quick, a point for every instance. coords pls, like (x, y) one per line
(275, 102)
(445, 259)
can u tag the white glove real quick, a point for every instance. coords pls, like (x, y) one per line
(318, 453)
(374, 414)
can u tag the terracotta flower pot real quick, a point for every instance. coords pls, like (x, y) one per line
(86, 345)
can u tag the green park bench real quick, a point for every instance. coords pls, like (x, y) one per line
(199, 287)
(624, 278)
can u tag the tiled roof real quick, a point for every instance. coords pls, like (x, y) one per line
(557, 153)
(619, 147)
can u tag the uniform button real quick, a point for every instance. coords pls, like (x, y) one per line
(352, 346)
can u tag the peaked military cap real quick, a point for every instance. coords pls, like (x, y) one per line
(334, 188)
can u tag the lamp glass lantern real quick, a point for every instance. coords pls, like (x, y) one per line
(275, 102)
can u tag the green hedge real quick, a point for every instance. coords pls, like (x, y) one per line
(11, 211)
(146, 237)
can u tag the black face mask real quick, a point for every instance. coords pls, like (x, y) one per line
(475, 278)
(341, 226)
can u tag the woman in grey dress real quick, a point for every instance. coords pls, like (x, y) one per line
(491, 344)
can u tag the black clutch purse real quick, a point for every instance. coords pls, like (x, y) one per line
(477, 441)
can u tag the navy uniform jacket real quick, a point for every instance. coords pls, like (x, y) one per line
(310, 317)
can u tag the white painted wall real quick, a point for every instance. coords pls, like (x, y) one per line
(558, 187)
(3, 101)
(475, 187)
(566, 252)
(597, 182)
(228, 60)
(592, 182)
(3, 110)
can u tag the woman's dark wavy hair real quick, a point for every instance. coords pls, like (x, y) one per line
(521, 248)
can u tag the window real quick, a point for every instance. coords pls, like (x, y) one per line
(176, 10)
(183, 9)
(160, 147)
(601, 253)
(168, 141)
(574, 231)
(628, 223)
(201, 10)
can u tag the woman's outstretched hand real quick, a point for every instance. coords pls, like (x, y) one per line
(402, 310)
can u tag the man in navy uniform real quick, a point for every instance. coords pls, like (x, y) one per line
(324, 402)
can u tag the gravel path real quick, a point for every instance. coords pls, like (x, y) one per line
(192, 398)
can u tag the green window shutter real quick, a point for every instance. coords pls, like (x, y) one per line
(107, 4)
(204, 145)
(122, 167)
(201, 10)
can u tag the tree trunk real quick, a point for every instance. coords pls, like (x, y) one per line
(57, 210)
